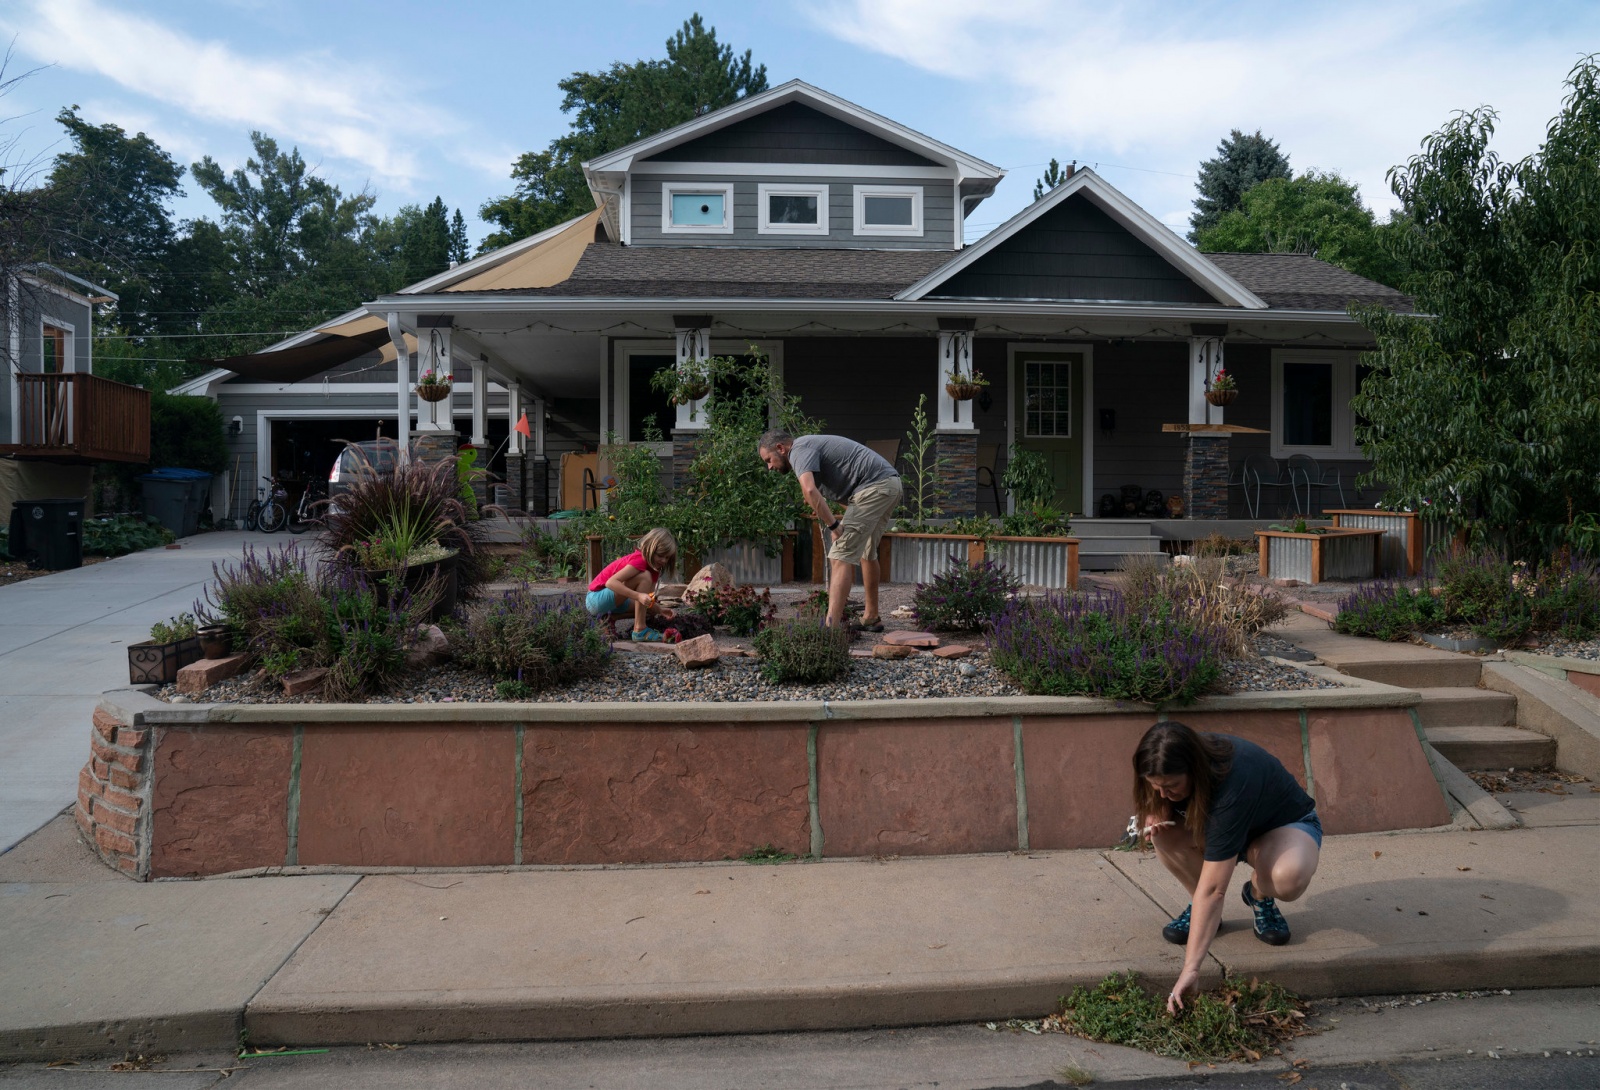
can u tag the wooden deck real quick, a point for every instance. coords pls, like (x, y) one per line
(80, 418)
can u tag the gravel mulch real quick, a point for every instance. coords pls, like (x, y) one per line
(1556, 645)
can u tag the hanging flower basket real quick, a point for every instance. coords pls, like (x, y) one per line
(690, 392)
(1221, 397)
(962, 391)
(434, 391)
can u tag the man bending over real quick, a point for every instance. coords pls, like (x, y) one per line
(833, 467)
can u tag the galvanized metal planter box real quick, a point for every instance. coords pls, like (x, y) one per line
(1342, 553)
(1035, 561)
(1401, 550)
(746, 562)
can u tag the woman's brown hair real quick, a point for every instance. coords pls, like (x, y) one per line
(1175, 749)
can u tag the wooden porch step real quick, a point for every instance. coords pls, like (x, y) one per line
(1493, 747)
(1458, 706)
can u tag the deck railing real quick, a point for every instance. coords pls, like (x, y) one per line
(81, 417)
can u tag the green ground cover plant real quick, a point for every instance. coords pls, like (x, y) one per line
(738, 607)
(802, 651)
(533, 640)
(123, 534)
(1388, 611)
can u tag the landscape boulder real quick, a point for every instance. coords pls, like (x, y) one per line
(925, 640)
(893, 651)
(953, 651)
(712, 575)
(697, 653)
(431, 649)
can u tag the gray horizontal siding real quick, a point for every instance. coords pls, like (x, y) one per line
(1074, 251)
(792, 133)
(938, 215)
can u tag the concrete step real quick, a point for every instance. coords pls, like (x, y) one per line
(1087, 528)
(1099, 560)
(1460, 707)
(1423, 671)
(1492, 747)
(1119, 545)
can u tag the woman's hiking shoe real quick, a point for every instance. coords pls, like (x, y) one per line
(871, 626)
(1177, 932)
(1271, 927)
(646, 635)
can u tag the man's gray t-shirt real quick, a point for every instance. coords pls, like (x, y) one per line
(841, 466)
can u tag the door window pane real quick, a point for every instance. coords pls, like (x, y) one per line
(1308, 405)
(886, 211)
(648, 406)
(1047, 399)
(795, 208)
(698, 210)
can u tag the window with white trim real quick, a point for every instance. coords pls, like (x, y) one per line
(1311, 394)
(793, 209)
(689, 208)
(888, 210)
(1047, 399)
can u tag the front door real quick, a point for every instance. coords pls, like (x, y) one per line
(1048, 414)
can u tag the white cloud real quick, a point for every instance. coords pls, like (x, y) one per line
(328, 102)
(1353, 87)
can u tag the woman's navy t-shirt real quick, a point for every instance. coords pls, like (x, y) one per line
(1257, 796)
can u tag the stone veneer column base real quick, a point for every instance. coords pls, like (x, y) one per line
(516, 486)
(428, 447)
(1205, 477)
(958, 476)
(684, 444)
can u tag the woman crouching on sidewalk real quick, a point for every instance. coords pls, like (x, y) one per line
(1209, 802)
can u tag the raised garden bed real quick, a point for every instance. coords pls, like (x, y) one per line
(1035, 561)
(1400, 551)
(1314, 556)
(746, 562)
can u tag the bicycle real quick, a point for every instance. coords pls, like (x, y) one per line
(267, 515)
(305, 514)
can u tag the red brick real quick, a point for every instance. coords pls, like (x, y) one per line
(127, 866)
(107, 818)
(102, 771)
(197, 677)
(121, 777)
(130, 761)
(132, 737)
(111, 796)
(105, 725)
(85, 822)
(88, 786)
(112, 841)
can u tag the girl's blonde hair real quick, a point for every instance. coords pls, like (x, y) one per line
(660, 548)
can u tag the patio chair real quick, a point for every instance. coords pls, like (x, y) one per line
(1254, 473)
(887, 449)
(988, 466)
(1304, 470)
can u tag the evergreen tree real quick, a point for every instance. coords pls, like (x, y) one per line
(1053, 176)
(610, 109)
(1241, 162)
(460, 246)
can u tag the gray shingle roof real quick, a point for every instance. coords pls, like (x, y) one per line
(607, 270)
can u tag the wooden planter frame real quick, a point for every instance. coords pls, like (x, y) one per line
(1318, 558)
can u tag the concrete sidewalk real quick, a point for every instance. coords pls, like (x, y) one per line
(62, 645)
(91, 966)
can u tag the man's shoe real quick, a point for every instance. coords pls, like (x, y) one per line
(875, 625)
(1271, 927)
(1177, 932)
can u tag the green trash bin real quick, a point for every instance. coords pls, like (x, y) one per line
(48, 534)
(175, 497)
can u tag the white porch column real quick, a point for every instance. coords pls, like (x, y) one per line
(480, 402)
(1205, 360)
(433, 354)
(694, 343)
(514, 443)
(955, 354)
(538, 427)
(402, 370)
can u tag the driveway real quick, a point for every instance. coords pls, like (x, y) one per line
(62, 643)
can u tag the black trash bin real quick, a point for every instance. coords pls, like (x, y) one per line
(48, 534)
(175, 497)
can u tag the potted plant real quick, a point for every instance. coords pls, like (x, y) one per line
(1221, 390)
(686, 383)
(964, 387)
(434, 386)
(173, 644)
(216, 641)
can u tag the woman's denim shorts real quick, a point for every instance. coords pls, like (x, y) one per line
(601, 602)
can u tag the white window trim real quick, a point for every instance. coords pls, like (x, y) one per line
(912, 191)
(621, 353)
(669, 188)
(1023, 414)
(1343, 447)
(767, 190)
(69, 358)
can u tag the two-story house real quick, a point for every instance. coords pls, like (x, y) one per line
(833, 239)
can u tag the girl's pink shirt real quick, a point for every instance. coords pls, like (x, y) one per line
(634, 559)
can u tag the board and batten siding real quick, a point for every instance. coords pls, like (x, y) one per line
(792, 133)
(938, 214)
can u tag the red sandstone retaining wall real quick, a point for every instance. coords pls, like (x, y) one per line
(186, 792)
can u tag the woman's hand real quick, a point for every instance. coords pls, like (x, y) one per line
(1188, 984)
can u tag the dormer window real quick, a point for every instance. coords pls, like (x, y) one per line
(793, 209)
(688, 208)
(889, 210)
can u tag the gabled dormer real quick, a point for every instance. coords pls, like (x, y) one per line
(790, 167)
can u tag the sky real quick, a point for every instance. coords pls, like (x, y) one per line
(414, 99)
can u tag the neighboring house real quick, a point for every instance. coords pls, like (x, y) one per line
(56, 417)
(833, 239)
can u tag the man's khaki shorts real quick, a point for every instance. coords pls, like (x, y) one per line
(865, 520)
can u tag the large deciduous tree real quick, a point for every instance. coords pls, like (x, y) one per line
(1488, 410)
(1242, 161)
(1320, 214)
(610, 109)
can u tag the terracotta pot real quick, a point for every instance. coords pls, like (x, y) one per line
(962, 391)
(434, 392)
(216, 642)
(1221, 397)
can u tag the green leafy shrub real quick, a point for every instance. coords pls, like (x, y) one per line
(1388, 611)
(1567, 600)
(964, 598)
(538, 640)
(1028, 478)
(1038, 521)
(1096, 645)
(123, 534)
(1242, 1020)
(801, 651)
(560, 554)
(187, 432)
(739, 607)
(173, 629)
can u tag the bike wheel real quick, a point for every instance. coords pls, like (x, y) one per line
(272, 517)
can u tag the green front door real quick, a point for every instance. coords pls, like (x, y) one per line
(1049, 415)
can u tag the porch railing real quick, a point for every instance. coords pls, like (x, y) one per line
(81, 417)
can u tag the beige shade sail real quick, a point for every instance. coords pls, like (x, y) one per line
(541, 266)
